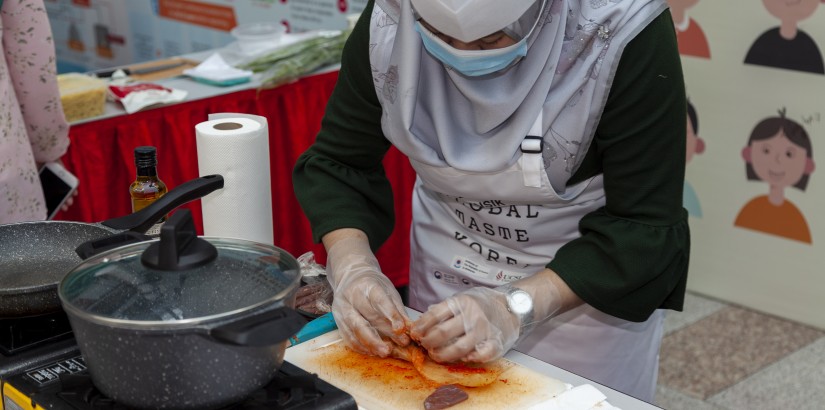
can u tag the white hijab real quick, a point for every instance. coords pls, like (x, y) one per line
(476, 124)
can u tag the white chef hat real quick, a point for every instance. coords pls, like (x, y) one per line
(469, 20)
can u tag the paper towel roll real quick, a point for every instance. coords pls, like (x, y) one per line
(236, 146)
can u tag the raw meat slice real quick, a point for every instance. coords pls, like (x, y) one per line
(444, 397)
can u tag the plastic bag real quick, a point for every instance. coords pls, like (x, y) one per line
(135, 97)
(314, 297)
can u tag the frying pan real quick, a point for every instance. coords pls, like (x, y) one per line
(34, 256)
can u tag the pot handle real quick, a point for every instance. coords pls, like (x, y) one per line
(179, 247)
(142, 220)
(261, 329)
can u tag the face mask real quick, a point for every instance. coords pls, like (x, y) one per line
(471, 63)
(468, 20)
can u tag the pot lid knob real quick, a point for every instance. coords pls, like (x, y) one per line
(179, 247)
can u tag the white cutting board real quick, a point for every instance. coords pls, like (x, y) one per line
(377, 383)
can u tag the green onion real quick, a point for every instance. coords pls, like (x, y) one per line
(290, 62)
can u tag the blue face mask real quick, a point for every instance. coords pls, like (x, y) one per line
(471, 63)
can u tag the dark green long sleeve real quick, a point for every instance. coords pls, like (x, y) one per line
(632, 256)
(340, 180)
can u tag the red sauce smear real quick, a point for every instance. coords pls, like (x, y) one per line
(461, 368)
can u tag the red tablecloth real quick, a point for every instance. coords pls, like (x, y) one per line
(101, 154)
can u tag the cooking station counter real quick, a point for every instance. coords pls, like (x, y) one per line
(379, 383)
(297, 109)
(36, 371)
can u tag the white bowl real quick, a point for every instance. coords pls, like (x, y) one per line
(256, 37)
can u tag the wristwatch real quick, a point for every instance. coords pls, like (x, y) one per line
(520, 303)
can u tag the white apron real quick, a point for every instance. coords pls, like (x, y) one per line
(474, 229)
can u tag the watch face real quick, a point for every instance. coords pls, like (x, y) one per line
(520, 302)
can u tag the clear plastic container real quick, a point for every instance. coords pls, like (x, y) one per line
(254, 38)
(82, 96)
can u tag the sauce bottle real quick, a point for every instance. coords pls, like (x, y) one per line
(147, 187)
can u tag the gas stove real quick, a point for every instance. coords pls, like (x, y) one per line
(41, 368)
(29, 342)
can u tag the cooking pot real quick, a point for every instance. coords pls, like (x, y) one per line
(34, 256)
(183, 322)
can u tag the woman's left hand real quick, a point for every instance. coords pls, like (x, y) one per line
(476, 325)
(472, 326)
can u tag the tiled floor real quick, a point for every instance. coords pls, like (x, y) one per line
(717, 356)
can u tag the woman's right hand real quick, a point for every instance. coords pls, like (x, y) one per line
(366, 306)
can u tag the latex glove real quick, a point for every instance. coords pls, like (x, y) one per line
(476, 325)
(366, 306)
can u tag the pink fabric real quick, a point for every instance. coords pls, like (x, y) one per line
(33, 128)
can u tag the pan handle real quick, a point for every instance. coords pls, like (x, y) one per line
(90, 248)
(142, 220)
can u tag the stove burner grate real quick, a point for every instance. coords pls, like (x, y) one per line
(21, 334)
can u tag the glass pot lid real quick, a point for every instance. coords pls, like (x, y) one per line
(132, 285)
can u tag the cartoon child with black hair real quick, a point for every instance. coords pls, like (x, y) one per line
(695, 146)
(779, 152)
(787, 46)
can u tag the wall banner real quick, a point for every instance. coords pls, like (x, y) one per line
(95, 34)
(755, 187)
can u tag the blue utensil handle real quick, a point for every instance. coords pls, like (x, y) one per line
(318, 326)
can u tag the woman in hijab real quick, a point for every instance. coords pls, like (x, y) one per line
(548, 141)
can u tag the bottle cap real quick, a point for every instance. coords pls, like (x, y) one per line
(146, 157)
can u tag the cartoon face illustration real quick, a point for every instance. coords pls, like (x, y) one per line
(778, 161)
(779, 153)
(791, 11)
(682, 4)
(695, 144)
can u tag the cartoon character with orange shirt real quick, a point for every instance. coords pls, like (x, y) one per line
(779, 152)
(689, 35)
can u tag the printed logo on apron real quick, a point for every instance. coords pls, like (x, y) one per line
(473, 272)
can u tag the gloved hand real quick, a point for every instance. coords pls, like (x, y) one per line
(476, 325)
(366, 306)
